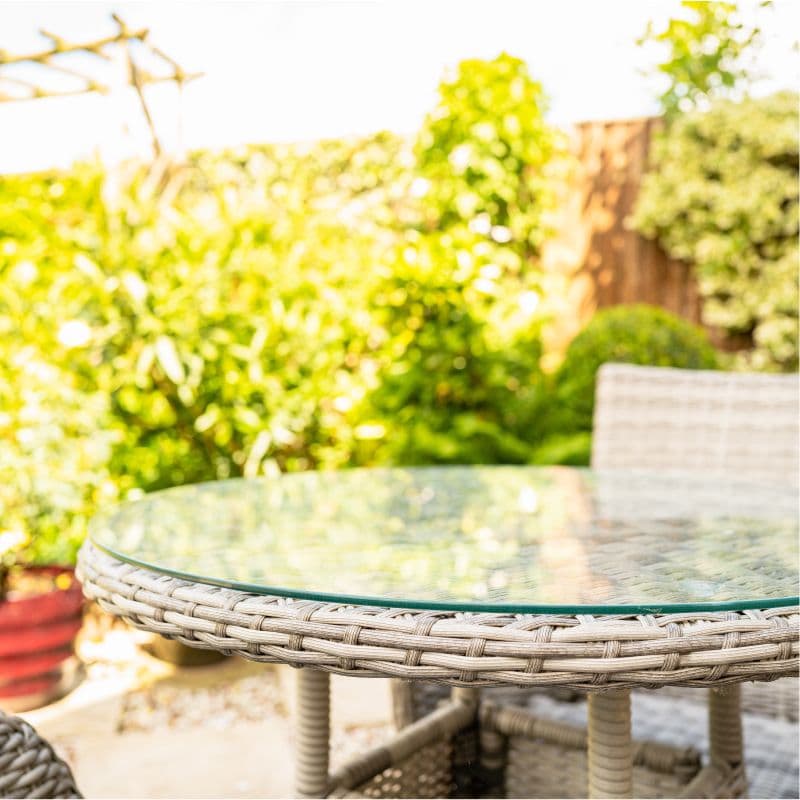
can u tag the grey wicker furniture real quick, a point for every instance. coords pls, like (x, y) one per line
(185, 564)
(695, 421)
(723, 423)
(747, 425)
(28, 765)
(720, 423)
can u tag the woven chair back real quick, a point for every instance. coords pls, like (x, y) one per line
(741, 425)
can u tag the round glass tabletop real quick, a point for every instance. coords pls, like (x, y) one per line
(513, 539)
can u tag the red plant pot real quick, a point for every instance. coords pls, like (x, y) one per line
(37, 636)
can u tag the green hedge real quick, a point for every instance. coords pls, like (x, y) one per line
(637, 334)
(279, 308)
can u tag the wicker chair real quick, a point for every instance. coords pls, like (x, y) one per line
(690, 421)
(724, 423)
(28, 765)
(649, 418)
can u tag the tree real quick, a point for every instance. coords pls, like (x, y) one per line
(483, 152)
(705, 55)
(460, 378)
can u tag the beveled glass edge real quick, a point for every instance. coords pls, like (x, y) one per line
(473, 606)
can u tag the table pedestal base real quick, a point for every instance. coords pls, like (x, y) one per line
(312, 738)
(726, 742)
(725, 725)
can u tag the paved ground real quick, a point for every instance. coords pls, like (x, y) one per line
(139, 727)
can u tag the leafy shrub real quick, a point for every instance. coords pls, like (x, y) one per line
(637, 334)
(460, 379)
(219, 327)
(55, 441)
(53, 458)
(724, 196)
(484, 152)
(270, 308)
(705, 53)
(573, 449)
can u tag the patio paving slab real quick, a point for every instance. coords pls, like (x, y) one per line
(139, 727)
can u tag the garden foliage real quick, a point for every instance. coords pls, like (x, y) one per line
(291, 307)
(637, 334)
(706, 51)
(273, 308)
(723, 195)
(459, 295)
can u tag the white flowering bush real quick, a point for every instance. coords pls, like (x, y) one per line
(723, 195)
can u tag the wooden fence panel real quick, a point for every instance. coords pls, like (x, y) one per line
(595, 259)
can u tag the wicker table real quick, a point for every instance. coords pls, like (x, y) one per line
(483, 576)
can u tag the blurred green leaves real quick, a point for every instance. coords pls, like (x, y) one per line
(724, 196)
(273, 308)
(459, 296)
(349, 302)
(483, 153)
(635, 334)
(704, 54)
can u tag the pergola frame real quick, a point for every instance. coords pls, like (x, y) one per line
(50, 60)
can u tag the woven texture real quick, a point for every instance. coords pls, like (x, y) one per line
(412, 701)
(28, 765)
(779, 699)
(580, 651)
(714, 422)
(546, 758)
(538, 768)
(742, 425)
(610, 744)
(771, 745)
(312, 734)
(417, 761)
(427, 773)
(726, 423)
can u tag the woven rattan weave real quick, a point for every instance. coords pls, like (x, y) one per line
(547, 758)
(580, 651)
(594, 653)
(703, 423)
(28, 765)
(709, 423)
(492, 577)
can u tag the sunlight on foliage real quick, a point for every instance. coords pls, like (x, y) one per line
(705, 54)
(271, 308)
(635, 334)
(724, 196)
(352, 302)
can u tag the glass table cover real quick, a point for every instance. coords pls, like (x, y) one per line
(511, 539)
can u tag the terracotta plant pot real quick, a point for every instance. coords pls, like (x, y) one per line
(39, 619)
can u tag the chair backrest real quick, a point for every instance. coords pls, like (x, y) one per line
(729, 423)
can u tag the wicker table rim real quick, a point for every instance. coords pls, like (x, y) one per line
(582, 651)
